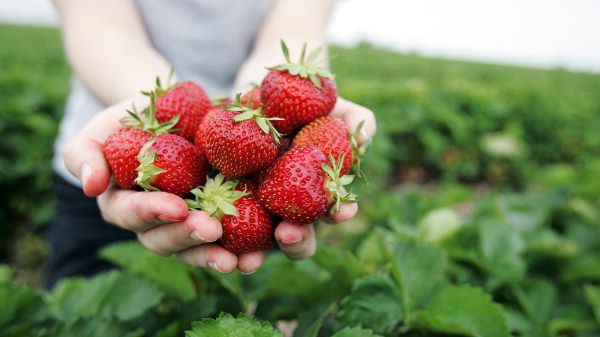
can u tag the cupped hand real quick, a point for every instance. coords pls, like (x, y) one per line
(162, 221)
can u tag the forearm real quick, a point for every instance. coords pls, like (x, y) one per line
(295, 22)
(107, 47)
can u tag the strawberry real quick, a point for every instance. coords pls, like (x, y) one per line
(217, 105)
(297, 92)
(172, 164)
(253, 97)
(123, 146)
(247, 185)
(240, 141)
(247, 226)
(187, 99)
(330, 135)
(121, 149)
(302, 185)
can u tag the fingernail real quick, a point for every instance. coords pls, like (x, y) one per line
(248, 273)
(213, 266)
(85, 173)
(197, 237)
(167, 219)
(292, 243)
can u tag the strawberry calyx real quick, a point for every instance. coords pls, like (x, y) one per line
(159, 90)
(336, 183)
(218, 100)
(146, 120)
(216, 197)
(147, 170)
(306, 67)
(248, 113)
(358, 151)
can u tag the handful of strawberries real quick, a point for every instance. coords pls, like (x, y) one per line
(273, 153)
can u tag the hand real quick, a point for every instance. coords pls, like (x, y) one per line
(162, 221)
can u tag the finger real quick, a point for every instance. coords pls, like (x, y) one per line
(248, 263)
(346, 212)
(140, 211)
(170, 238)
(85, 160)
(296, 241)
(210, 256)
(353, 114)
(84, 156)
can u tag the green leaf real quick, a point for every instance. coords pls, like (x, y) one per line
(375, 302)
(537, 300)
(171, 275)
(309, 322)
(6, 273)
(439, 224)
(228, 326)
(418, 268)
(355, 332)
(501, 247)
(126, 253)
(113, 294)
(21, 309)
(94, 327)
(463, 310)
(592, 297)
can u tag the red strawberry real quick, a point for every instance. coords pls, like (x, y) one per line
(217, 105)
(252, 96)
(200, 137)
(240, 141)
(248, 186)
(247, 226)
(297, 92)
(121, 150)
(123, 146)
(172, 164)
(187, 99)
(300, 186)
(330, 135)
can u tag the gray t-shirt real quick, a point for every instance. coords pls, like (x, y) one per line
(206, 41)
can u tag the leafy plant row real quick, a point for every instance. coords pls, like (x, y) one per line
(516, 265)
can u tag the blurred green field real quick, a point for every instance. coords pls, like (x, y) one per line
(493, 168)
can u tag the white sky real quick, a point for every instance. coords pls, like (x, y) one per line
(538, 33)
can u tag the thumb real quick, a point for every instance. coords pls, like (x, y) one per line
(84, 158)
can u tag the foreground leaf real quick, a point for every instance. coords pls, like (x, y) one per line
(21, 309)
(113, 294)
(169, 273)
(463, 310)
(418, 269)
(355, 332)
(375, 302)
(228, 326)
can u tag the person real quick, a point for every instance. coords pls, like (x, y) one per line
(117, 49)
